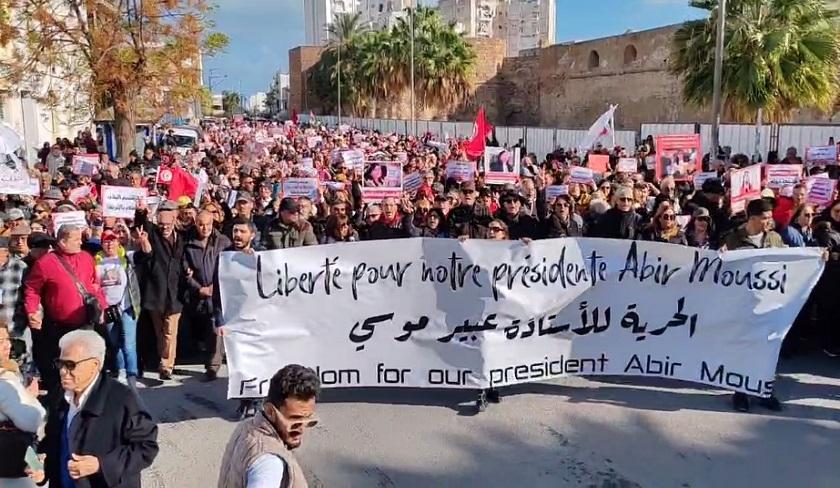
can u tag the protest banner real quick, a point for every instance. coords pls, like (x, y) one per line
(382, 179)
(821, 155)
(301, 187)
(598, 163)
(782, 175)
(412, 182)
(14, 176)
(439, 313)
(701, 178)
(85, 164)
(121, 201)
(678, 155)
(33, 189)
(745, 186)
(354, 159)
(820, 190)
(579, 174)
(501, 165)
(627, 165)
(68, 218)
(314, 141)
(79, 193)
(554, 191)
(460, 171)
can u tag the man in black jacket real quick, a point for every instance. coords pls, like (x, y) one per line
(520, 224)
(160, 257)
(98, 434)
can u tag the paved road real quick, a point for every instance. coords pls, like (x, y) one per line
(571, 432)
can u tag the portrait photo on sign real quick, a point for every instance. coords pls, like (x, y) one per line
(501, 165)
(678, 156)
(382, 174)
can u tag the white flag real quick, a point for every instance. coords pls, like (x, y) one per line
(602, 127)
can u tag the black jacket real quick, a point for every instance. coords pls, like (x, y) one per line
(113, 426)
(204, 263)
(521, 225)
(162, 271)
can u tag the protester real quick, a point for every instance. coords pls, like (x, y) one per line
(620, 221)
(90, 402)
(21, 416)
(259, 452)
(664, 227)
(288, 229)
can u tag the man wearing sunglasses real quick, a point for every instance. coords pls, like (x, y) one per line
(98, 433)
(259, 453)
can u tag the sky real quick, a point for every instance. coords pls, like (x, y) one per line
(263, 31)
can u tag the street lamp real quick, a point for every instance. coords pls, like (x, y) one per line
(413, 116)
(718, 79)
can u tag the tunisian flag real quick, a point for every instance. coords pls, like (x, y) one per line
(475, 146)
(179, 181)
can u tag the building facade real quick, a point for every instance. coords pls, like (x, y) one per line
(376, 14)
(523, 24)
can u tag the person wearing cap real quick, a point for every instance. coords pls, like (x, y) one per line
(160, 257)
(757, 233)
(115, 268)
(243, 207)
(288, 229)
(14, 218)
(18, 244)
(701, 230)
(392, 224)
(520, 223)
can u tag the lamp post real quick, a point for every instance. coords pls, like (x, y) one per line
(718, 78)
(411, 12)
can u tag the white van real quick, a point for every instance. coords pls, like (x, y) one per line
(186, 137)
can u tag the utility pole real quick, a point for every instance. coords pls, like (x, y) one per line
(413, 115)
(340, 42)
(718, 79)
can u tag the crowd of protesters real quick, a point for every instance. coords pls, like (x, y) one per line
(148, 285)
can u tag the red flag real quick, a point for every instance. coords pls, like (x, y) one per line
(180, 182)
(483, 130)
(294, 116)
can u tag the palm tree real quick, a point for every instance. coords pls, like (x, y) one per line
(779, 56)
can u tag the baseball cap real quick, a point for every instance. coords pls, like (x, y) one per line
(184, 201)
(702, 213)
(53, 194)
(288, 205)
(15, 214)
(244, 196)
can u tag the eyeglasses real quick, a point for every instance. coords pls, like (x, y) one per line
(296, 424)
(69, 364)
(668, 217)
(625, 199)
(495, 229)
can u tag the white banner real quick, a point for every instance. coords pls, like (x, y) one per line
(301, 187)
(439, 313)
(121, 201)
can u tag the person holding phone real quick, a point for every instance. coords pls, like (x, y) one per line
(21, 417)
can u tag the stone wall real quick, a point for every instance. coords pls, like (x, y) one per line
(569, 85)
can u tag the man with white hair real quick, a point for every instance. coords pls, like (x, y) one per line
(98, 433)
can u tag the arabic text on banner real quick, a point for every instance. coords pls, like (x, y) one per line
(439, 313)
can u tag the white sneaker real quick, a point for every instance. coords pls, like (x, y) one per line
(122, 378)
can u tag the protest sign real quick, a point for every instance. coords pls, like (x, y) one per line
(33, 189)
(554, 191)
(679, 156)
(68, 218)
(460, 170)
(412, 182)
(354, 159)
(121, 201)
(820, 190)
(701, 178)
(79, 193)
(314, 141)
(402, 156)
(627, 165)
(782, 175)
(85, 164)
(434, 313)
(598, 163)
(501, 165)
(821, 155)
(152, 204)
(14, 176)
(382, 179)
(301, 187)
(307, 162)
(579, 174)
(745, 185)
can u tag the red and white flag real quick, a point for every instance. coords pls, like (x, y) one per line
(603, 127)
(179, 181)
(482, 130)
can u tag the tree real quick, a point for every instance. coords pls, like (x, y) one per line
(140, 59)
(231, 103)
(779, 56)
(376, 65)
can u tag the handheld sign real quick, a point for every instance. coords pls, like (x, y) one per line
(554, 191)
(85, 164)
(579, 174)
(460, 171)
(68, 218)
(382, 179)
(121, 201)
(501, 165)
(782, 175)
(627, 165)
(745, 186)
(301, 187)
(821, 155)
